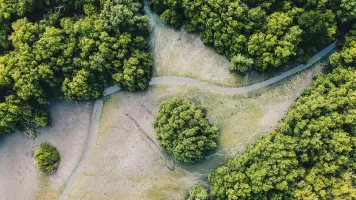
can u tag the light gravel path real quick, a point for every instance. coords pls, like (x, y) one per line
(173, 80)
(98, 107)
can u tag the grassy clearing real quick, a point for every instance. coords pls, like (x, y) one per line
(127, 162)
(178, 53)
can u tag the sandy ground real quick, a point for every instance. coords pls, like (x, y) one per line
(127, 162)
(68, 132)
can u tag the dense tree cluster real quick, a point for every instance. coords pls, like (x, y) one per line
(183, 129)
(311, 156)
(347, 56)
(11, 10)
(313, 153)
(46, 158)
(70, 56)
(260, 34)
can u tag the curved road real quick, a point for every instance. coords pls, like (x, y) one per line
(174, 80)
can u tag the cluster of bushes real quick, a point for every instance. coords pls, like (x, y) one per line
(70, 49)
(312, 155)
(46, 158)
(263, 34)
(183, 129)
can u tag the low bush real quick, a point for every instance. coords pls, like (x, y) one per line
(46, 158)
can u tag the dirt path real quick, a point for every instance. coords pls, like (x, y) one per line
(180, 81)
(175, 80)
(98, 107)
(68, 131)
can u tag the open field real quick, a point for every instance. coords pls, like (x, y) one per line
(127, 162)
(68, 132)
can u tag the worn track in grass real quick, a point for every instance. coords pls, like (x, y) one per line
(173, 80)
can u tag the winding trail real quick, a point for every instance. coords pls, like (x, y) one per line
(175, 80)
(98, 108)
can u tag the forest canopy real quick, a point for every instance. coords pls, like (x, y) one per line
(262, 35)
(70, 49)
(312, 154)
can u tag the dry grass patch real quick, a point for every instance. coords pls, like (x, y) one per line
(128, 162)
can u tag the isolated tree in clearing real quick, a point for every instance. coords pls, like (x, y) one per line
(46, 158)
(184, 130)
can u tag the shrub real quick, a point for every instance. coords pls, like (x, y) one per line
(184, 130)
(46, 158)
(240, 63)
(198, 192)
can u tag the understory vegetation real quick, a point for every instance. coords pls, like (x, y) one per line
(183, 129)
(67, 49)
(261, 34)
(46, 158)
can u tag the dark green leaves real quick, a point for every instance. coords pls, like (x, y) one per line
(311, 155)
(184, 130)
(271, 33)
(73, 57)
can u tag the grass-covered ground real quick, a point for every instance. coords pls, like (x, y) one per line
(178, 53)
(127, 162)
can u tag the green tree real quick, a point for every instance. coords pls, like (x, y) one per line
(240, 63)
(311, 155)
(319, 28)
(347, 10)
(198, 192)
(83, 86)
(347, 56)
(69, 56)
(46, 158)
(271, 32)
(184, 130)
(16, 113)
(124, 16)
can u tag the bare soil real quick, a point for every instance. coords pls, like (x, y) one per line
(68, 132)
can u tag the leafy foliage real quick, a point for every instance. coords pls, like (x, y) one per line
(241, 63)
(46, 157)
(347, 11)
(347, 56)
(198, 192)
(272, 33)
(15, 112)
(184, 130)
(312, 154)
(74, 57)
